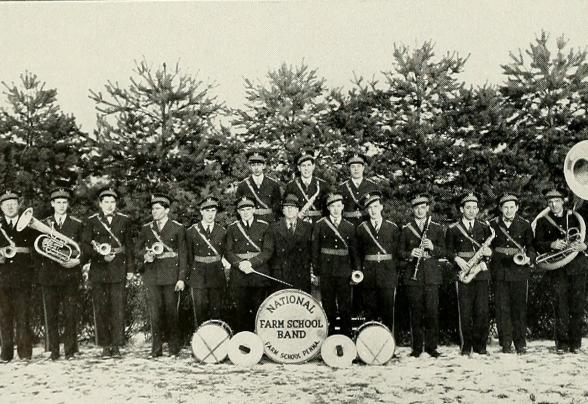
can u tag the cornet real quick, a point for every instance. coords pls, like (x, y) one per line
(520, 258)
(151, 252)
(102, 248)
(8, 251)
(356, 277)
(52, 244)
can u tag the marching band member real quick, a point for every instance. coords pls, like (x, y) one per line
(309, 189)
(262, 189)
(353, 188)
(291, 260)
(334, 255)
(467, 239)
(162, 244)
(206, 249)
(422, 244)
(377, 244)
(16, 276)
(552, 234)
(61, 282)
(108, 242)
(514, 237)
(248, 248)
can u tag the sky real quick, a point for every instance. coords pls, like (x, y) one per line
(77, 46)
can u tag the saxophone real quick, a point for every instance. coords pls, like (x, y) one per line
(475, 264)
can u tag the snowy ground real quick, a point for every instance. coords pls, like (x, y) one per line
(541, 376)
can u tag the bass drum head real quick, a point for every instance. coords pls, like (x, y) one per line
(245, 349)
(338, 351)
(375, 343)
(292, 326)
(211, 340)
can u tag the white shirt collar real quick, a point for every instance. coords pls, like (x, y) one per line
(357, 182)
(162, 222)
(59, 218)
(206, 225)
(257, 179)
(467, 222)
(306, 181)
(335, 221)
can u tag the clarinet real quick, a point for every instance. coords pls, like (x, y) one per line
(418, 263)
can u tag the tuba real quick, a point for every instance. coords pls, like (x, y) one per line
(51, 244)
(576, 175)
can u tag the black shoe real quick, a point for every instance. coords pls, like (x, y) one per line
(54, 356)
(415, 354)
(506, 349)
(562, 349)
(154, 355)
(106, 353)
(115, 352)
(69, 357)
(465, 352)
(434, 353)
(573, 351)
(522, 350)
(482, 351)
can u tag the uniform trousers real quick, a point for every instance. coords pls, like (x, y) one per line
(511, 312)
(66, 296)
(379, 305)
(336, 297)
(570, 291)
(207, 303)
(15, 304)
(108, 300)
(248, 300)
(163, 313)
(473, 315)
(424, 316)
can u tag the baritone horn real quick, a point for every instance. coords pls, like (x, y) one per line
(51, 244)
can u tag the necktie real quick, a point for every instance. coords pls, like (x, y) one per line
(470, 227)
(60, 222)
(376, 225)
(159, 226)
(292, 228)
(209, 230)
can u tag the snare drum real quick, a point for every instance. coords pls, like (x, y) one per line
(338, 351)
(292, 326)
(375, 343)
(245, 349)
(210, 342)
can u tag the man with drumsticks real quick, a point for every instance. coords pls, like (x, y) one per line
(334, 254)
(514, 251)
(377, 245)
(467, 241)
(248, 248)
(422, 243)
(555, 234)
(207, 265)
(162, 243)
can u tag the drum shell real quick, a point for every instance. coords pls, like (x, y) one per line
(210, 341)
(375, 343)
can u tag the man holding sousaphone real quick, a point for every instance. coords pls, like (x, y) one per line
(16, 277)
(560, 241)
(514, 252)
(377, 244)
(422, 243)
(162, 243)
(107, 243)
(467, 245)
(60, 275)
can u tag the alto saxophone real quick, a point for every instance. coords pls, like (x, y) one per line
(475, 264)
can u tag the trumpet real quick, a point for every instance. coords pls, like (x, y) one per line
(51, 244)
(156, 249)
(102, 248)
(356, 277)
(520, 258)
(8, 251)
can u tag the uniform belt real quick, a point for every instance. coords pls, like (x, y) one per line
(354, 214)
(466, 254)
(22, 250)
(507, 250)
(208, 259)
(334, 251)
(377, 257)
(167, 254)
(312, 213)
(263, 211)
(118, 250)
(246, 256)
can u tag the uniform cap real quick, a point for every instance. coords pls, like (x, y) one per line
(552, 193)
(507, 197)
(256, 156)
(291, 200)
(469, 197)
(209, 202)
(370, 197)
(245, 202)
(7, 195)
(109, 191)
(334, 197)
(60, 193)
(305, 155)
(161, 198)
(356, 158)
(419, 199)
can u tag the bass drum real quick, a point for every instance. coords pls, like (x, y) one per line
(210, 342)
(292, 326)
(375, 343)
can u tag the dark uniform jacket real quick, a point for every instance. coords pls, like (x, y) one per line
(429, 271)
(382, 274)
(292, 254)
(239, 248)
(353, 210)
(324, 237)
(304, 194)
(18, 270)
(456, 242)
(205, 265)
(165, 269)
(502, 265)
(51, 273)
(546, 233)
(115, 270)
(267, 197)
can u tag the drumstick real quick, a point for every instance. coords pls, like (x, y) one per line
(271, 277)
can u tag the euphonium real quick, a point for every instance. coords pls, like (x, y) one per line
(475, 264)
(52, 244)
